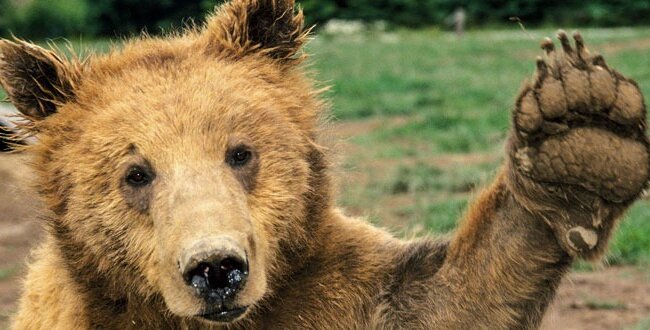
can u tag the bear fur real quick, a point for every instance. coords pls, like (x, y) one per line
(176, 109)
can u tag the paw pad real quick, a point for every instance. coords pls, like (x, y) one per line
(581, 239)
(581, 124)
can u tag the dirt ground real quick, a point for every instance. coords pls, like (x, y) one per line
(611, 298)
(19, 229)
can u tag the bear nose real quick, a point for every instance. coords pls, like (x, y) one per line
(224, 276)
(216, 275)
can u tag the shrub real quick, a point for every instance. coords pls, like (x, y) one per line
(46, 18)
(123, 17)
(414, 13)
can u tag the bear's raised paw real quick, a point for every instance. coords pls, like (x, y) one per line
(581, 123)
(579, 145)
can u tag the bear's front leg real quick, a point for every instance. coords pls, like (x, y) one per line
(577, 158)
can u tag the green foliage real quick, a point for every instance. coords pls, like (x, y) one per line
(4, 17)
(45, 18)
(414, 13)
(71, 18)
(124, 17)
(319, 11)
(411, 13)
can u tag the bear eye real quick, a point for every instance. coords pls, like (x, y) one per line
(137, 177)
(239, 157)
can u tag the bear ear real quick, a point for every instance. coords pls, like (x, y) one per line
(36, 80)
(272, 28)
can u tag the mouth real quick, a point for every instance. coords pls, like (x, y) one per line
(224, 315)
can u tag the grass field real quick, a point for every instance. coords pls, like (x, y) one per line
(429, 113)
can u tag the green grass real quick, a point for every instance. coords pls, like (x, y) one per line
(421, 177)
(592, 303)
(409, 72)
(442, 217)
(6, 273)
(631, 242)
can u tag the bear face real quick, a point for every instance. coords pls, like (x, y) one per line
(177, 169)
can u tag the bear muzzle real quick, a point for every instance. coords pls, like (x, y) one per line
(216, 269)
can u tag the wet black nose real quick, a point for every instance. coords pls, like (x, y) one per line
(216, 276)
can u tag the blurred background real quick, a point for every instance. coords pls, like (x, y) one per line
(421, 94)
(110, 18)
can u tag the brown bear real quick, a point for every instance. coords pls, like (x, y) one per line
(187, 189)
